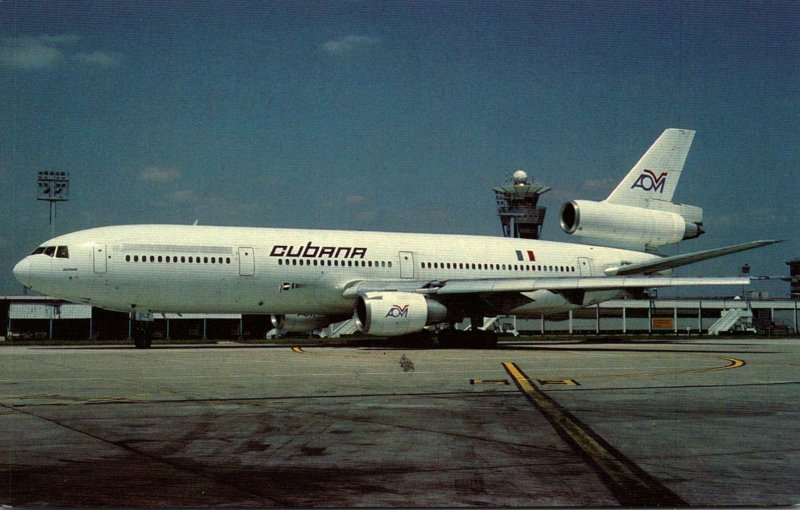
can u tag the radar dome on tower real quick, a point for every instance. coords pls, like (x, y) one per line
(517, 207)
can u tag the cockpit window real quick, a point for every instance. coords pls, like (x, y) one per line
(38, 250)
(62, 252)
(50, 251)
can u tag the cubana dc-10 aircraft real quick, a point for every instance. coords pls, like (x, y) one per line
(391, 284)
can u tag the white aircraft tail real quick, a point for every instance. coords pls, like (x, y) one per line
(655, 176)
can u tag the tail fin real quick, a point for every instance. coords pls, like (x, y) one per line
(656, 175)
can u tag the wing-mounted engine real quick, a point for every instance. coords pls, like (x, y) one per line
(396, 313)
(649, 227)
(298, 323)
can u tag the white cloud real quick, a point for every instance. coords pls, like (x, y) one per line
(97, 58)
(184, 195)
(30, 53)
(160, 174)
(348, 44)
(59, 39)
(599, 184)
(355, 199)
(48, 51)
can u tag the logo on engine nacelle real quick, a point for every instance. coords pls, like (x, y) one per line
(398, 311)
(649, 182)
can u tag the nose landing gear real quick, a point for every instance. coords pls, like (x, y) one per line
(142, 331)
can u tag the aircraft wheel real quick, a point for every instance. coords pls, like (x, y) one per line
(483, 340)
(446, 338)
(141, 336)
(490, 340)
(142, 343)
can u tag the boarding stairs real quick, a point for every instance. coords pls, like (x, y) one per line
(737, 319)
(503, 323)
(338, 329)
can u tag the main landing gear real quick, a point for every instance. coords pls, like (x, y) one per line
(452, 338)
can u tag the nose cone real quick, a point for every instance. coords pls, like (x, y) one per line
(22, 272)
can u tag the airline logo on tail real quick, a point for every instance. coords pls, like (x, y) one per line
(649, 182)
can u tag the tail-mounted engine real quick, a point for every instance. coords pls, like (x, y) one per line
(648, 227)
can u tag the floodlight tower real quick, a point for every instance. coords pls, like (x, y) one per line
(516, 206)
(54, 188)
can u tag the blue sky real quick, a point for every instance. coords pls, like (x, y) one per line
(394, 115)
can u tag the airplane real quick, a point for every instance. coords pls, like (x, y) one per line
(390, 284)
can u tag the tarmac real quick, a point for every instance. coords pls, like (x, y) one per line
(699, 422)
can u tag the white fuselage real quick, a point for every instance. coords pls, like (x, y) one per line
(175, 268)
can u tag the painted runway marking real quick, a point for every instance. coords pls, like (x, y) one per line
(489, 381)
(566, 382)
(630, 484)
(732, 363)
(298, 350)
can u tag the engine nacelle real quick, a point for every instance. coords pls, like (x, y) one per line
(396, 313)
(297, 323)
(627, 224)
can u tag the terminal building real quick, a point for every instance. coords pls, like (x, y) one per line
(794, 277)
(39, 317)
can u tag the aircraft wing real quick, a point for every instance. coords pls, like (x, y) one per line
(629, 276)
(503, 285)
(653, 266)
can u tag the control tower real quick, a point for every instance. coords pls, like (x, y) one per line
(516, 206)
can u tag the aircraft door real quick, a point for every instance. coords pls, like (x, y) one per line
(247, 262)
(406, 264)
(584, 266)
(100, 258)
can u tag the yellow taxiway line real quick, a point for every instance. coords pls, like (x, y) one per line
(631, 485)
